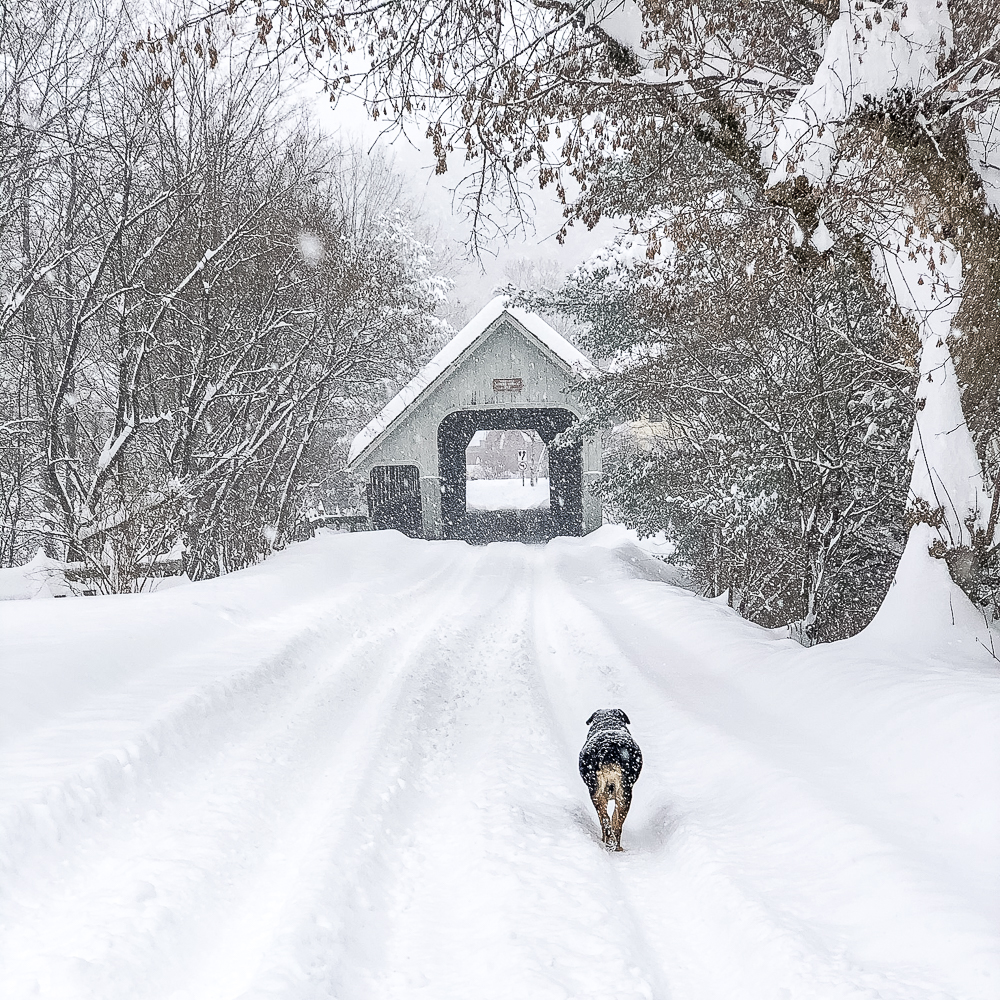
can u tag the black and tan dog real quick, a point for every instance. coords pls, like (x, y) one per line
(610, 762)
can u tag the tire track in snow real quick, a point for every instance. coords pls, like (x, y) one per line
(340, 912)
(693, 837)
(473, 877)
(499, 898)
(168, 854)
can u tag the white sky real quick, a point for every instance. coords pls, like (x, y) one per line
(474, 280)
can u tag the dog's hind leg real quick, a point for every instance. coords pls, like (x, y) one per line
(600, 800)
(623, 800)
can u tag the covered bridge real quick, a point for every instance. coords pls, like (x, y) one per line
(506, 370)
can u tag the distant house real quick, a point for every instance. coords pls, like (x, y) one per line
(498, 455)
(506, 370)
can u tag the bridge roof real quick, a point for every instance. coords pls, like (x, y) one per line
(435, 369)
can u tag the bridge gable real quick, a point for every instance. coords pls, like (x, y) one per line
(503, 359)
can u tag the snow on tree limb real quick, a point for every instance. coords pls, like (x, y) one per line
(872, 50)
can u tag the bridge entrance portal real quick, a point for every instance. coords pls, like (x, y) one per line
(564, 514)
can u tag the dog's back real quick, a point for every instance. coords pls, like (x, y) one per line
(610, 762)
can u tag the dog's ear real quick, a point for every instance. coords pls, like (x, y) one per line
(628, 721)
(591, 719)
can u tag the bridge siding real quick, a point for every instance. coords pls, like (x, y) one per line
(504, 351)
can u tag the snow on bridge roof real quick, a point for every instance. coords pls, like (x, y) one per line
(452, 351)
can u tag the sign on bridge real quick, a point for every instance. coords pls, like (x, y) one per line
(507, 385)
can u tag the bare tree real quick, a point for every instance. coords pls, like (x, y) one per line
(222, 285)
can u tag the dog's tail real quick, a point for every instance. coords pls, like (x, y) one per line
(610, 786)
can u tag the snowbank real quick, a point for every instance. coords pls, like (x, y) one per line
(41, 577)
(924, 606)
(44, 577)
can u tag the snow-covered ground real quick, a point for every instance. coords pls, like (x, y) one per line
(351, 773)
(42, 577)
(506, 494)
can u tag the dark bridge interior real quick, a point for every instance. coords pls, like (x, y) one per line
(565, 513)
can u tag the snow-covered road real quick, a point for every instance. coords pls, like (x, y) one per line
(351, 773)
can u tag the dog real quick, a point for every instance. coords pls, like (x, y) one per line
(610, 762)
